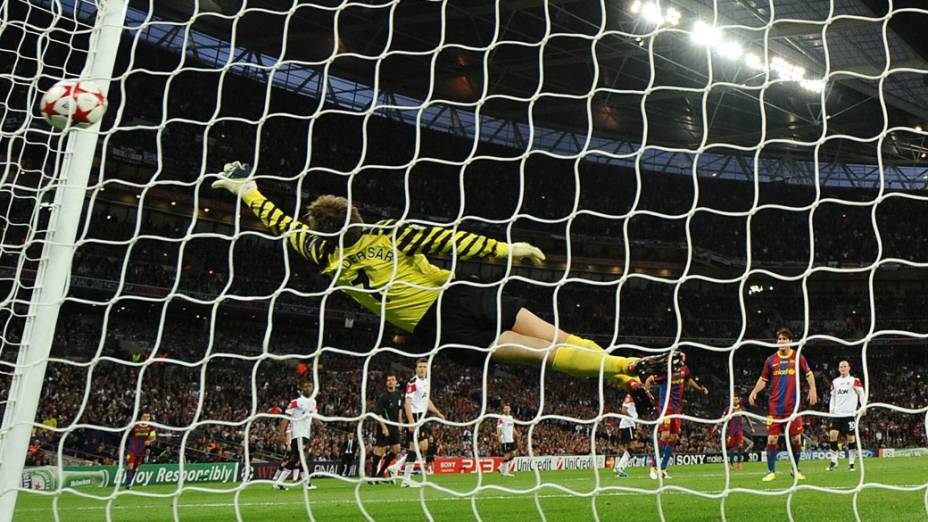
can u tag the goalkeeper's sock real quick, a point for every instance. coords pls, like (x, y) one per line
(851, 455)
(833, 454)
(772, 458)
(282, 476)
(583, 358)
(278, 473)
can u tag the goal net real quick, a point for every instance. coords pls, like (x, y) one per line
(698, 173)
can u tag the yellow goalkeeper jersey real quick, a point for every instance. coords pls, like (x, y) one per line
(367, 267)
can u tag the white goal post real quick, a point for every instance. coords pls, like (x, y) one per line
(52, 280)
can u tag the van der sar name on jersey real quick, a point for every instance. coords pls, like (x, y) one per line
(370, 253)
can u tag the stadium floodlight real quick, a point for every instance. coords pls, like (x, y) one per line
(786, 70)
(705, 34)
(711, 37)
(730, 49)
(813, 85)
(651, 13)
(753, 61)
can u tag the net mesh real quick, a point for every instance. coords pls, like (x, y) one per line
(695, 185)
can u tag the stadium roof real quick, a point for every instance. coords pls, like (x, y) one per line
(566, 49)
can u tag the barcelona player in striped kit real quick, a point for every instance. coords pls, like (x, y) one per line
(734, 441)
(669, 429)
(781, 373)
(143, 434)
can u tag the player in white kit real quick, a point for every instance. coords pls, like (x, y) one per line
(626, 436)
(296, 433)
(506, 433)
(847, 394)
(417, 407)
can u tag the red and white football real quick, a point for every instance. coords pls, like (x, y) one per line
(73, 103)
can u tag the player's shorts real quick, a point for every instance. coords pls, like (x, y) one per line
(293, 457)
(424, 431)
(626, 435)
(844, 425)
(508, 447)
(775, 426)
(468, 316)
(671, 426)
(734, 441)
(135, 458)
(393, 437)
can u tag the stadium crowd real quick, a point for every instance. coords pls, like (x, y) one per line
(225, 407)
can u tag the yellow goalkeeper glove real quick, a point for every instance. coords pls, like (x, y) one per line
(236, 178)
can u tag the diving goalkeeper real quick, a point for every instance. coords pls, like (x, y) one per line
(384, 268)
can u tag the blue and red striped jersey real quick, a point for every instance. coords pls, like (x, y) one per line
(736, 424)
(140, 433)
(677, 386)
(780, 373)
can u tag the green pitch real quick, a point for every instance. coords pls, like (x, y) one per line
(624, 499)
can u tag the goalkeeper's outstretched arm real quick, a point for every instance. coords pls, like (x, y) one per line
(410, 238)
(235, 178)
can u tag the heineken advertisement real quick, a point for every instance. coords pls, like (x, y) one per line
(49, 477)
